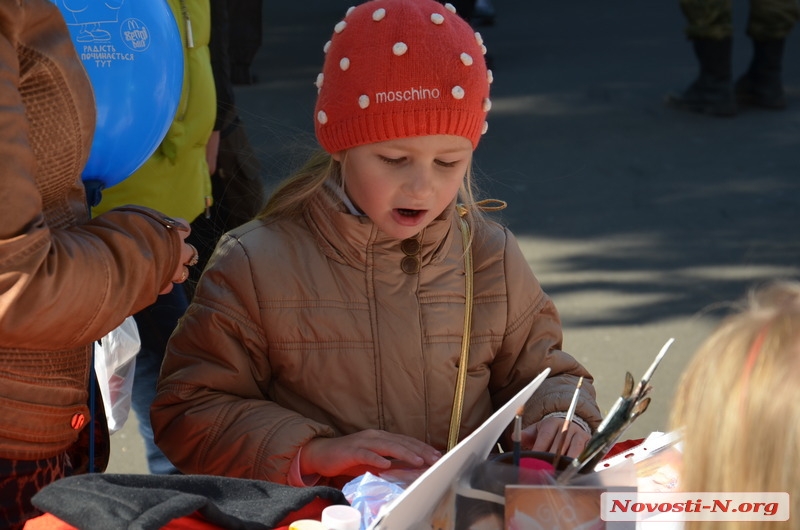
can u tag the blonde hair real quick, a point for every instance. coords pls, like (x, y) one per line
(293, 195)
(738, 405)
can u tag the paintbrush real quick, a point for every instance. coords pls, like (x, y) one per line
(516, 436)
(629, 406)
(565, 426)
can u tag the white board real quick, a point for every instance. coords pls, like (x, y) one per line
(421, 497)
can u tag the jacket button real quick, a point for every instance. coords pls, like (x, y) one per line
(410, 246)
(78, 421)
(410, 265)
(169, 222)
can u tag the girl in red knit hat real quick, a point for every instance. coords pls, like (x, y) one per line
(328, 336)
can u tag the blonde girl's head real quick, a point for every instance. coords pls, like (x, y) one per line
(393, 69)
(738, 404)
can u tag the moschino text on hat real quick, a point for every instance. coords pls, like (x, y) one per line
(410, 94)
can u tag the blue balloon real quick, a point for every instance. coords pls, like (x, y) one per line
(133, 53)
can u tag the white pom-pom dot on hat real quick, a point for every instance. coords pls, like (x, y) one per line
(487, 105)
(344, 64)
(478, 38)
(466, 59)
(378, 14)
(338, 28)
(489, 76)
(350, 10)
(457, 92)
(485, 127)
(450, 7)
(322, 117)
(363, 101)
(399, 48)
(320, 79)
(326, 47)
(437, 18)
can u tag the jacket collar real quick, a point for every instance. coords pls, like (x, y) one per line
(349, 239)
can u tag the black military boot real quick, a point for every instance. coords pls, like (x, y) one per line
(712, 91)
(761, 85)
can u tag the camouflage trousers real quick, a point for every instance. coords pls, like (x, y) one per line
(767, 20)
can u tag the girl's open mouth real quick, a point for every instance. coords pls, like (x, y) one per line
(408, 217)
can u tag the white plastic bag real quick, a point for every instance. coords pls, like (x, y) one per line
(114, 364)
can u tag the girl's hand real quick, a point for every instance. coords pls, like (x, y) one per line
(369, 450)
(541, 436)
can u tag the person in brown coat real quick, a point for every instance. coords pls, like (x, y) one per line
(65, 280)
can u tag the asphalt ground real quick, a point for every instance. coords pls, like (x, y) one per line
(643, 223)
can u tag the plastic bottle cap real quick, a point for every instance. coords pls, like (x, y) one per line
(307, 524)
(341, 517)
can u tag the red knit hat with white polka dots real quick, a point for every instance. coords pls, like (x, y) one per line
(401, 68)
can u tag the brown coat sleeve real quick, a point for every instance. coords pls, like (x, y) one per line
(62, 288)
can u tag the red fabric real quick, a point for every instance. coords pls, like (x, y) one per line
(194, 521)
(47, 521)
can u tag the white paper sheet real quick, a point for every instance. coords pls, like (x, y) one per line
(419, 500)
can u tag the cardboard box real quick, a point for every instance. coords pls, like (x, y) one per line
(558, 508)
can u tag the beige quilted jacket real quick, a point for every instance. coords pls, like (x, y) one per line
(310, 327)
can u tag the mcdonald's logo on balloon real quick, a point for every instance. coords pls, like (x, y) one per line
(133, 54)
